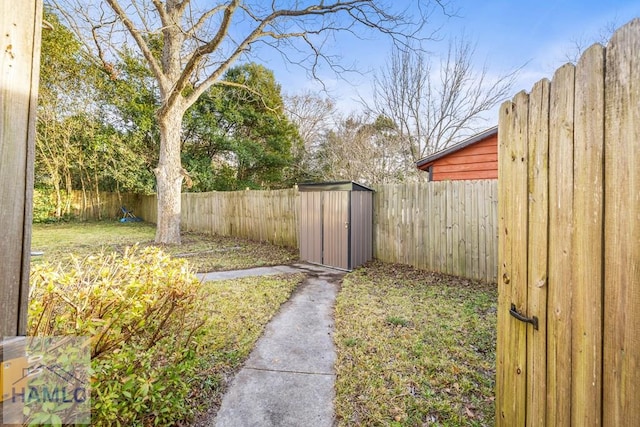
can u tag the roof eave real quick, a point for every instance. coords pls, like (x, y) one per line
(425, 162)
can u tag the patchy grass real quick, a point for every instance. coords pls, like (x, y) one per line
(204, 253)
(414, 348)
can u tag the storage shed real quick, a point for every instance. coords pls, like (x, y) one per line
(336, 224)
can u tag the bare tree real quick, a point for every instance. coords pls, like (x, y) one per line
(314, 116)
(582, 43)
(434, 104)
(363, 149)
(189, 45)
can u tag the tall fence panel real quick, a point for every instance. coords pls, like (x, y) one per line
(19, 71)
(569, 269)
(447, 226)
(268, 216)
(89, 205)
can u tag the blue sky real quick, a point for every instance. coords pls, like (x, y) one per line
(508, 34)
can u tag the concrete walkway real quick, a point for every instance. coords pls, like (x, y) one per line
(289, 377)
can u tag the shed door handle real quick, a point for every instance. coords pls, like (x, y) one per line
(533, 320)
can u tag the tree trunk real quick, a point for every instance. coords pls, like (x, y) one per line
(169, 177)
(69, 188)
(56, 186)
(96, 185)
(84, 197)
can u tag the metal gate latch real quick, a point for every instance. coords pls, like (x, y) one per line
(533, 320)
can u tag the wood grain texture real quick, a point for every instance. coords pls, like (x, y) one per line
(587, 253)
(583, 365)
(512, 273)
(19, 74)
(561, 126)
(449, 227)
(538, 195)
(621, 379)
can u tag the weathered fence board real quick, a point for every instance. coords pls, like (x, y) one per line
(538, 188)
(560, 227)
(582, 261)
(19, 71)
(512, 281)
(586, 260)
(622, 228)
(90, 205)
(269, 216)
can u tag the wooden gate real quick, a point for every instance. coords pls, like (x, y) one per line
(568, 349)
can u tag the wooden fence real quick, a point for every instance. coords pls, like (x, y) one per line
(269, 216)
(568, 349)
(446, 226)
(450, 227)
(19, 71)
(92, 205)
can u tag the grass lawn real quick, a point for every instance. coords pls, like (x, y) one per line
(414, 348)
(205, 253)
(234, 311)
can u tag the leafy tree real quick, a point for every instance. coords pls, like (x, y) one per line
(239, 127)
(200, 43)
(65, 91)
(261, 134)
(82, 141)
(131, 93)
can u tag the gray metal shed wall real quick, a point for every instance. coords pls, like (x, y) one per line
(361, 227)
(311, 227)
(336, 225)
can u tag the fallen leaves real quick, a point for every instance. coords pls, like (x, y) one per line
(408, 345)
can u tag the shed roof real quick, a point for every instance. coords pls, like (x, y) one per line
(459, 146)
(333, 186)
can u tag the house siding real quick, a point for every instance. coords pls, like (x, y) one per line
(477, 161)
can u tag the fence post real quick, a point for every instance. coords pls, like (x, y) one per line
(19, 73)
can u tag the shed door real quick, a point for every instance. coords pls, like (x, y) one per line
(335, 236)
(311, 227)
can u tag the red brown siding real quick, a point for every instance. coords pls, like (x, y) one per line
(477, 161)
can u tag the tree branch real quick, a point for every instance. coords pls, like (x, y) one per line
(164, 18)
(142, 44)
(198, 54)
(201, 21)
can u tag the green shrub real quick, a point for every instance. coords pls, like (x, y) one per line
(139, 309)
(44, 206)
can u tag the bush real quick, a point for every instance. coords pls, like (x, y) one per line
(140, 310)
(44, 206)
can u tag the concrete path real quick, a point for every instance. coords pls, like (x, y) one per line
(289, 377)
(263, 271)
